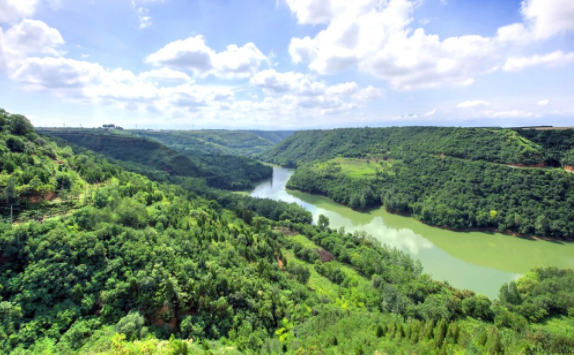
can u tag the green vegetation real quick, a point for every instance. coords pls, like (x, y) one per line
(105, 261)
(558, 144)
(450, 189)
(352, 167)
(497, 146)
(152, 159)
(246, 143)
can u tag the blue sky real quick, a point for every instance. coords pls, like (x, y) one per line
(288, 63)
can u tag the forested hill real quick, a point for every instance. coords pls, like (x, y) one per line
(154, 159)
(242, 142)
(558, 144)
(462, 178)
(98, 260)
(499, 146)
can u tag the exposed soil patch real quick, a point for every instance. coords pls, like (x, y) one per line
(39, 198)
(569, 168)
(159, 318)
(286, 231)
(280, 264)
(324, 255)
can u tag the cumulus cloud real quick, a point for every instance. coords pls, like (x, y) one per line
(375, 37)
(32, 36)
(473, 103)
(304, 92)
(554, 59)
(548, 18)
(14, 10)
(273, 82)
(545, 102)
(378, 38)
(369, 93)
(194, 55)
(29, 37)
(166, 75)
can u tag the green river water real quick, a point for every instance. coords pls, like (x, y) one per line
(477, 261)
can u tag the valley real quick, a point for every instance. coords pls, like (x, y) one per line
(112, 243)
(477, 261)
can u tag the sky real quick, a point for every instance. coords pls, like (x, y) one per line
(288, 64)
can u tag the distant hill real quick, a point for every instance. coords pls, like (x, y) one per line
(247, 143)
(141, 155)
(492, 145)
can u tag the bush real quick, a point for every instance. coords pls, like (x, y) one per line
(132, 326)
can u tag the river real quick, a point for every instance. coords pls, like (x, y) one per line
(477, 261)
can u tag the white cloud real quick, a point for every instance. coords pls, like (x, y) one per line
(29, 37)
(238, 62)
(343, 89)
(473, 103)
(378, 38)
(554, 59)
(545, 102)
(2, 55)
(13, 10)
(32, 36)
(511, 114)
(273, 82)
(549, 18)
(193, 54)
(369, 93)
(166, 75)
(375, 37)
(416, 115)
(143, 17)
(190, 54)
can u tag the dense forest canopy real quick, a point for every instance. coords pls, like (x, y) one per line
(456, 177)
(247, 143)
(493, 145)
(95, 259)
(219, 170)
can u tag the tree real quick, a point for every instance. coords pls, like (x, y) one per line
(323, 222)
(10, 194)
(20, 126)
(132, 326)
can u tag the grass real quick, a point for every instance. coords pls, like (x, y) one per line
(358, 168)
(318, 282)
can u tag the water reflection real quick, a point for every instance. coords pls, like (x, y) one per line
(477, 261)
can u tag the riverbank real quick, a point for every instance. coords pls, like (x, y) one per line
(477, 261)
(444, 227)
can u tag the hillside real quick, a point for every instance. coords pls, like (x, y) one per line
(558, 144)
(244, 142)
(497, 146)
(141, 155)
(105, 261)
(453, 177)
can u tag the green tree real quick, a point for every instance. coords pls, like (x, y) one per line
(323, 222)
(132, 326)
(20, 126)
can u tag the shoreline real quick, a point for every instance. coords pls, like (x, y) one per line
(448, 228)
